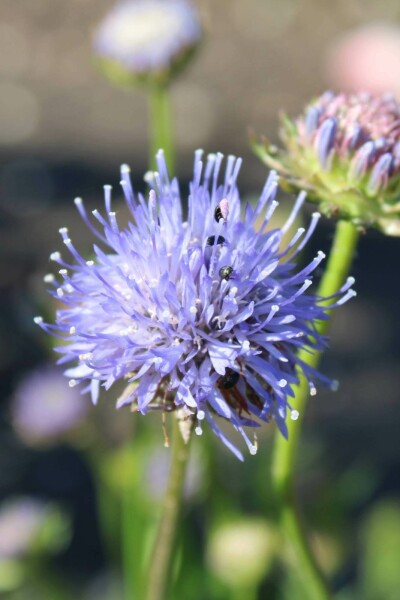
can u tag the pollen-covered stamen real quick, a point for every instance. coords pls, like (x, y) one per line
(299, 292)
(292, 242)
(315, 217)
(307, 270)
(107, 197)
(56, 257)
(295, 211)
(82, 211)
(68, 242)
(344, 299)
(343, 294)
(49, 328)
(268, 194)
(127, 189)
(272, 312)
(112, 217)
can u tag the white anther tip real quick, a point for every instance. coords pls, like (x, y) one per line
(125, 168)
(38, 320)
(78, 201)
(148, 177)
(294, 415)
(201, 415)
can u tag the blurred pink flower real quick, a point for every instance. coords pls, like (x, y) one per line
(366, 58)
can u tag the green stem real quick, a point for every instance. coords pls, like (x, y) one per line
(131, 565)
(161, 559)
(244, 593)
(106, 503)
(46, 583)
(160, 125)
(286, 451)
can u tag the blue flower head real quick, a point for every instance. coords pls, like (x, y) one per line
(203, 314)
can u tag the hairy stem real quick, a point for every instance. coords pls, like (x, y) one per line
(160, 126)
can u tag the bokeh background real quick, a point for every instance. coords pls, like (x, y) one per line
(64, 131)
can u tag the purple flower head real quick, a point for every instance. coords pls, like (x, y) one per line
(147, 39)
(158, 307)
(44, 407)
(344, 150)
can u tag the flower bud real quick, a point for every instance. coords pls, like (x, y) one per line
(345, 151)
(146, 41)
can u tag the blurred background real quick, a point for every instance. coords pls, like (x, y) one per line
(64, 131)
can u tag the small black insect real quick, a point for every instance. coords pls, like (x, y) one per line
(222, 210)
(230, 379)
(225, 273)
(211, 240)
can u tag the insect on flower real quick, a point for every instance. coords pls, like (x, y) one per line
(222, 210)
(149, 310)
(226, 273)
